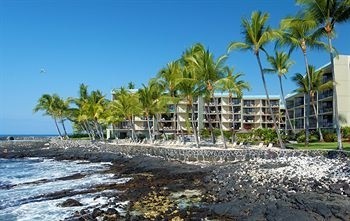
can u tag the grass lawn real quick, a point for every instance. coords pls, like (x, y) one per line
(321, 146)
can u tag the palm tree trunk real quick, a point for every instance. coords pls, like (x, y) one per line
(307, 105)
(97, 129)
(64, 129)
(195, 133)
(58, 129)
(335, 97)
(268, 99)
(207, 110)
(83, 125)
(91, 130)
(233, 118)
(179, 125)
(317, 124)
(132, 127)
(285, 105)
(149, 129)
(158, 123)
(175, 121)
(220, 123)
(101, 131)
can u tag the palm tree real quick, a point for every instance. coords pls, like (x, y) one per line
(131, 85)
(90, 112)
(146, 100)
(208, 71)
(233, 86)
(281, 63)
(127, 105)
(169, 77)
(327, 13)
(62, 109)
(256, 36)
(152, 102)
(190, 86)
(317, 85)
(300, 33)
(48, 104)
(97, 105)
(189, 90)
(79, 113)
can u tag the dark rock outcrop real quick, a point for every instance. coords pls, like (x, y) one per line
(70, 203)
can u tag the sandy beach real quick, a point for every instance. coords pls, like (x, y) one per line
(207, 183)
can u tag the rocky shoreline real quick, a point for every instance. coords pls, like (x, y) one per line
(244, 184)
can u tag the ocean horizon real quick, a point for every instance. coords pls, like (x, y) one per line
(28, 135)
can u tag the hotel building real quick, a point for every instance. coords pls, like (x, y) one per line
(324, 100)
(236, 114)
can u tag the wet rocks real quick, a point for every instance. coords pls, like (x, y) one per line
(70, 203)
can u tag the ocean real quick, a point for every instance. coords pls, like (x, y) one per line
(29, 187)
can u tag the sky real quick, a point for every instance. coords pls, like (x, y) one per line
(52, 46)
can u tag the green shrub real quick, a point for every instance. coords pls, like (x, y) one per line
(228, 135)
(205, 133)
(216, 132)
(267, 135)
(330, 137)
(313, 137)
(301, 138)
(78, 135)
(346, 132)
(244, 137)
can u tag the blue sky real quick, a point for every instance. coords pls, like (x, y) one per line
(108, 43)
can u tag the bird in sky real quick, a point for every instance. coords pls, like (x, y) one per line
(42, 71)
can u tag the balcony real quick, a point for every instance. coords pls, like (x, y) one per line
(325, 94)
(249, 113)
(290, 105)
(326, 123)
(326, 110)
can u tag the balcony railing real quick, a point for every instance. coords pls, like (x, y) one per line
(325, 94)
(325, 109)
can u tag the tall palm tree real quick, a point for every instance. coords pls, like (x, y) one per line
(317, 85)
(97, 105)
(48, 104)
(127, 105)
(280, 65)
(79, 114)
(62, 109)
(152, 102)
(190, 86)
(299, 32)
(233, 86)
(257, 35)
(90, 112)
(169, 77)
(208, 71)
(189, 90)
(327, 13)
(146, 100)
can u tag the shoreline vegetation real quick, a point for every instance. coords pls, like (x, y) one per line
(183, 182)
(196, 73)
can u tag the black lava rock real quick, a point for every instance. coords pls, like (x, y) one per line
(70, 203)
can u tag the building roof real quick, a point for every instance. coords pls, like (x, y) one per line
(218, 94)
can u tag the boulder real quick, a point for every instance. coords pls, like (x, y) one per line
(70, 203)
